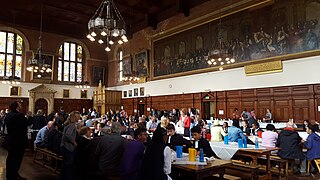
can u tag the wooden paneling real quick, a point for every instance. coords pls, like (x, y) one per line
(72, 104)
(5, 101)
(297, 102)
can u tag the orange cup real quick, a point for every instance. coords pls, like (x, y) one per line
(192, 154)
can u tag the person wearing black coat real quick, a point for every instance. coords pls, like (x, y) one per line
(289, 144)
(16, 124)
(201, 143)
(175, 139)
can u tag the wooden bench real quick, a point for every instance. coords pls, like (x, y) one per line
(47, 156)
(283, 165)
(241, 167)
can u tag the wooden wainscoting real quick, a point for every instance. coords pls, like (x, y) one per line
(72, 104)
(298, 102)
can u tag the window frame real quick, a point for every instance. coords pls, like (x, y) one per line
(62, 60)
(14, 54)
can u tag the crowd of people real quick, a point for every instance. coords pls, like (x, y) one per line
(118, 146)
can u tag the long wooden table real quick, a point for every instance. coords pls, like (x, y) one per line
(255, 154)
(216, 166)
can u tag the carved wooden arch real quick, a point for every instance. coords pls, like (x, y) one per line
(41, 92)
(210, 94)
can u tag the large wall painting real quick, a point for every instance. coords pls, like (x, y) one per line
(285, 29)
(141, 64)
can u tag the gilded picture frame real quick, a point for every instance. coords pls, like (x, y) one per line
(66, 93)
(83, 94)
(267, 30)
(141, 63)
(15, 91)
(43, 77)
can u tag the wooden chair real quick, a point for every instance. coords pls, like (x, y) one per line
(316, 161)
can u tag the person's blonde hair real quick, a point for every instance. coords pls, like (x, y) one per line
(72, 118)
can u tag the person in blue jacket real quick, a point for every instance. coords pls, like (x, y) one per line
(313, 142)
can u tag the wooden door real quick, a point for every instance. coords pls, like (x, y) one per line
(41, 104)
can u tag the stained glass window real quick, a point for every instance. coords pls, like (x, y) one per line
(11, 51)
(70, 62)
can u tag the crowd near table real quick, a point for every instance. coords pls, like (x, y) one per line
(227, 151)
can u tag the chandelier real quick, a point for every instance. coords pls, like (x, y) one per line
(219, 56)
(37, 63)
(11, 80)
(107, 26)
(130, 78)
(83, 85)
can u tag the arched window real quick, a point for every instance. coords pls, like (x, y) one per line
(120, 57)
(11, 50)
(70, 62)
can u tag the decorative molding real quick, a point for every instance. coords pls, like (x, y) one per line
(263, 68)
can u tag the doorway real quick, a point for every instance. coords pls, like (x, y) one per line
(141, 109)
(41, 104)
(208, 110)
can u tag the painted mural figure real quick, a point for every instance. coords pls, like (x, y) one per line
(282, 41)
(310, 40)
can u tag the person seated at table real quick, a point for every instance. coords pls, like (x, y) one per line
(269, 137)
(305, 125)
(313, 142)
(175, 139)
(199, 142)
(288, 142)
(157, 158)
(42, 135)
(234, 134)
(256, 131)
(152, 124)
(216, 132)
(224, 129)
(245, 129)
(132, 158)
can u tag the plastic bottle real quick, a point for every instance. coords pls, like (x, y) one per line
(245, 144)
(201, 157)
(256, 143)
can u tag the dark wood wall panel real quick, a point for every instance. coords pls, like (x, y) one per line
(72, 104)
(297, 102)
(5, 101)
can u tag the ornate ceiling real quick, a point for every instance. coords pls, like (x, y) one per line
(70, 17)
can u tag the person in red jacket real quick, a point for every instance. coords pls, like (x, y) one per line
(186, 122)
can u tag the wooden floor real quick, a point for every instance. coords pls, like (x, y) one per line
(36, 172)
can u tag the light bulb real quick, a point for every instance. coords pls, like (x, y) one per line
(214, 63)
(120, 42)
(125, 40)
(93, 34)
(111, 42)
(107, 49)
(92, 39)
(89, 36)
(115, 33)
(39, 75)
(219, 59)
(100, 41)
(103, 33)
(220, 68)
(209, 62)
(232, 60)
(221, 63)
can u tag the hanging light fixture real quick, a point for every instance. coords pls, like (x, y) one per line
(83, 85)
(219, 56)
(11, 80)
(107, 26)
(37, 63)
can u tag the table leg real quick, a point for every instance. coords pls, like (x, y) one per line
(268, 166)
(198, 177)
(221, 174)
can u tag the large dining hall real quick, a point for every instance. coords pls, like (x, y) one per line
(159, 89)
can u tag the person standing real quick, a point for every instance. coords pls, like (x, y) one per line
(186, 122)
(68, 145)
(16, 124)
